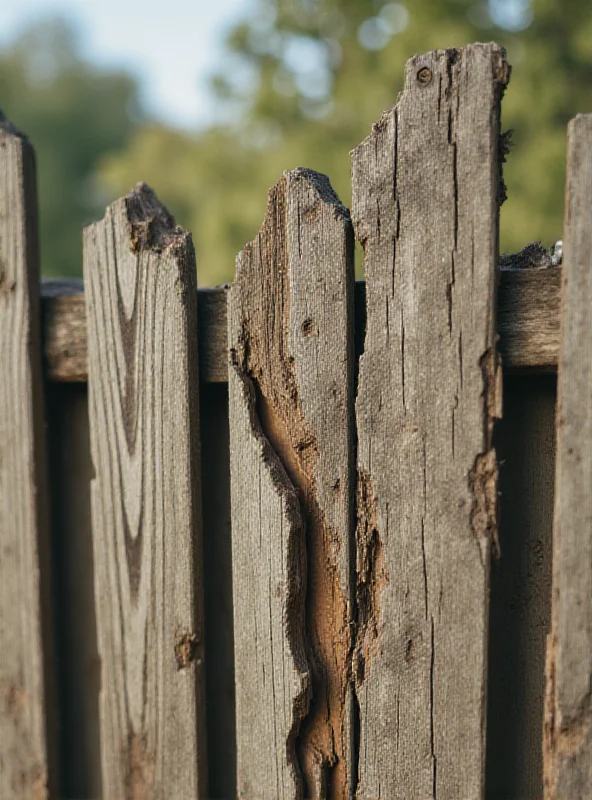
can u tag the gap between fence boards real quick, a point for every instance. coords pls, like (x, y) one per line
(527, 322)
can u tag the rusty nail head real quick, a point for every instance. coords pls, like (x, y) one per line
(424, 76)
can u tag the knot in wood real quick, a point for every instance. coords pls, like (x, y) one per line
(424, 76)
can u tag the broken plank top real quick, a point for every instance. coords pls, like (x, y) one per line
(568, 725)
(26, 766)
(426, 189)
(290, 330)
(145, 497)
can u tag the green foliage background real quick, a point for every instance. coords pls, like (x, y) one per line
(74, 115)
(300, 84)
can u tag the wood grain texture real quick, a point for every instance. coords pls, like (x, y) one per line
(427, 399)
(520, 606)
(528, 326)
(26, 761)
(568, 723)
(290, 331)
(528, 319)
(145, 497)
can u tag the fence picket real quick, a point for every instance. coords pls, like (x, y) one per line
(146, 507)
(27, 757)
(568, 722)
(290, 332)
(425, 208)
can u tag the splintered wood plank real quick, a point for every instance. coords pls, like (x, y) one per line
(568, 721)
(25, 764)
(146, 507)
(290, 333)
(425, 208)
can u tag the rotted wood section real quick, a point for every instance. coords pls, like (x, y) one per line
(290, 380)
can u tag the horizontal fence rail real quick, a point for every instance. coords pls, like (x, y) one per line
(527, 323)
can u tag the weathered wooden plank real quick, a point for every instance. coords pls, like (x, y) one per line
(79, 668)
(145, 498)
(290, 332)
(425, 208)
(568, 722)
(520, 605)
(26, 761)
(528, 326)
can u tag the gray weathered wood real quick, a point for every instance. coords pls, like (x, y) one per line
(568, 722)
(145, 498)
(25, 758)
(217, 544)
(290, 332)
(425, 208)
(520, 605)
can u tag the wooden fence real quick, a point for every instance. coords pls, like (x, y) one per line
(259, 547)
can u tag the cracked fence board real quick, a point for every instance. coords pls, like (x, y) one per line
(26, 761)
(290, 332)
(145, 499)
(426, 184)
(568, 720)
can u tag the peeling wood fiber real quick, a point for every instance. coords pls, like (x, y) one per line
(426, 193)
(290, 331)
(568, 720)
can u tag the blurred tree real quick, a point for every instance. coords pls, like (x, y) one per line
(303, 80)
(74, 114)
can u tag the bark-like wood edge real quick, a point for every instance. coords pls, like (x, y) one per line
(527, 321)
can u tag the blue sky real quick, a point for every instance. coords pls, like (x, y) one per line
(169, 46)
